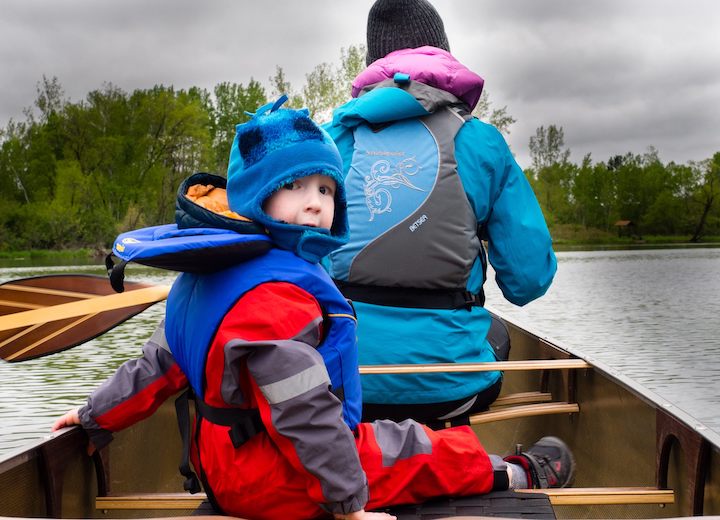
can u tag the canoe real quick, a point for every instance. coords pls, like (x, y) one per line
(637, 456)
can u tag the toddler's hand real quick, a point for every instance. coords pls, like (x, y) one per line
(364, 515)
(69, 418)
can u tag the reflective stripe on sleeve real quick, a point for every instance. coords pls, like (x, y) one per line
(296, 385)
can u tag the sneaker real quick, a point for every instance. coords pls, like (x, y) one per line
(549, 463)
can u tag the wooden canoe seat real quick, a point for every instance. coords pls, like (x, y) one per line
(526, 410)
(150, 501)
(606, 495)
(559, 497)
(523, 398)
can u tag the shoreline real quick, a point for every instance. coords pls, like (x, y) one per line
(93, 255)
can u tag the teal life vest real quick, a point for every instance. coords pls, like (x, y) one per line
(413, 234)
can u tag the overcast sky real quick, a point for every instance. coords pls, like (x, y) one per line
(618, 76)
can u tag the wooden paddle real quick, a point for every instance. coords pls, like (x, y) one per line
(48, 314)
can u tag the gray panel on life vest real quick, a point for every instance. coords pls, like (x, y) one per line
(435, 245)
(430, 98)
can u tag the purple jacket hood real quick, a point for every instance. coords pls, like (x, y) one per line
(429, 65)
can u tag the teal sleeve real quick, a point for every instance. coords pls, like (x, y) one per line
(519, 244)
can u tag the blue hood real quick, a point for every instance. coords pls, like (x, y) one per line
(274, 148)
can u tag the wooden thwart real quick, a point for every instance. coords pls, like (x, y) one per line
(533, 364)
(565, 496)
(522, 398)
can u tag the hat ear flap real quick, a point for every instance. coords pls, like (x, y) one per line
(249, 142)
(307, 129)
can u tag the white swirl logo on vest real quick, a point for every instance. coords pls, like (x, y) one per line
(384, 175)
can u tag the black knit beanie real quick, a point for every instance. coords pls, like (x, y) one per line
(403, 24)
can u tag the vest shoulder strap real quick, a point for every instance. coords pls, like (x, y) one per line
(190, 250)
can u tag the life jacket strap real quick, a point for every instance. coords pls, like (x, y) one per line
(410, 296)
(243, 424)
(116, 273)
(182, 410)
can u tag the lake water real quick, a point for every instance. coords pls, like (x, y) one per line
(652, 315)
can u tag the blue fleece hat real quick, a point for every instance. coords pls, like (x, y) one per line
(276, 147)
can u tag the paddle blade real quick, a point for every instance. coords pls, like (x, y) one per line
(54, 335)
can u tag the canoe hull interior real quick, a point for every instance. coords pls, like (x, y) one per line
(614, 438)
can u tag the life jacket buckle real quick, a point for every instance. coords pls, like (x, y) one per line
(192, 484)
(245, 429)
(471, 299)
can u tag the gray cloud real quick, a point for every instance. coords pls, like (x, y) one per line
(618, 76)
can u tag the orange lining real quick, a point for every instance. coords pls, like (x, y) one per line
(212, 199)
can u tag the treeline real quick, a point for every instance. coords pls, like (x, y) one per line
(656, 198)
(75, 174)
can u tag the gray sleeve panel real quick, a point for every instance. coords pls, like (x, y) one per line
(310, 417)
(237, 349)
(398, 441)
(129, 379)
(158, 337)
(445, 246)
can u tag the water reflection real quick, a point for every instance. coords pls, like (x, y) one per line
(651, 315)
(36, 392)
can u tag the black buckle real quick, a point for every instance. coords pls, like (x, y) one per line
(470, 299)
(245, 429)
(192, 484)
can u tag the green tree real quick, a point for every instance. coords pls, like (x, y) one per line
(551, 175)
(173, 143)
(231, 102)
(280, 85)
(14, 181)
(707, 174)
(593, 194)
(352, 63)
(498, 117)
(322, 92)
(546, 147)
(329, 86)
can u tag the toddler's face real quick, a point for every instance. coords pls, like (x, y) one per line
(308, 201)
